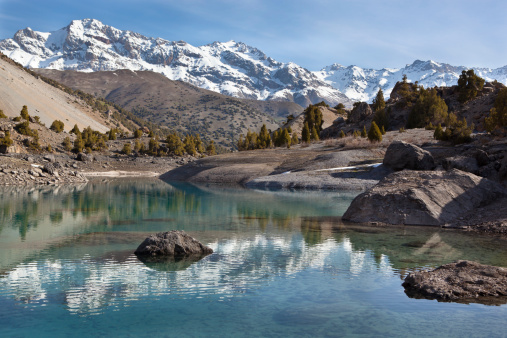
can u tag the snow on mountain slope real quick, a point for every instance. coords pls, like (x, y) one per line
(230, 68)
(363, 84)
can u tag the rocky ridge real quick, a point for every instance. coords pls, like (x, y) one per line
(231, 68)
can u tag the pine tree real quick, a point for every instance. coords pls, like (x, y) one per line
(439, 132)
(199, 146)
(314, 136)
(374, 134)
(67, 145)
(127, 149)
(264, 138)
(286, 138)
(210, 149)
(189, 145)
(24, 113)
(305, 134)
(364, 134)
(175, 145)
(378, 102)
(469, 85)
(138, 133)
(342, 134)
(112, 134)
(79, 144)
(295, 139)
(75, 130)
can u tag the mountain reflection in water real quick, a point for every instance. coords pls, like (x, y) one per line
(73, 246)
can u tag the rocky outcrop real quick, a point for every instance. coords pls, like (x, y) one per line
(360, 113)
(173, 243)
(462, 281)
(423, 198)
(468, 164)
(402, 155)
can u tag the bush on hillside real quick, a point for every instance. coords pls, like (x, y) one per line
(57, 126)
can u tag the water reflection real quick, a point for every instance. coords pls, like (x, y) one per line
(74, 245)
(239, 265)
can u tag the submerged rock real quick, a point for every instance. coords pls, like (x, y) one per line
(402, 155)
(461, 281)
(423, 198)
(173, 243)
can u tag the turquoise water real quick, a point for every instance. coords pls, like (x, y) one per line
(283, 265)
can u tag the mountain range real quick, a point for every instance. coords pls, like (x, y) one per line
(231, 68)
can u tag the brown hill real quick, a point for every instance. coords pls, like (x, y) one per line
(19, 88)
(177, 105)
(328, 116)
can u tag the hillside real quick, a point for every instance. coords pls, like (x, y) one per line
(19, 88)
(176, 104)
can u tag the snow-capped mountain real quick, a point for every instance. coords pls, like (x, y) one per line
(231, 68)
(363, 84)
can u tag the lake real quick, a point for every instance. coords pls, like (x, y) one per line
(284, 264)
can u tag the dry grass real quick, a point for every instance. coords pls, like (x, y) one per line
(414, 136)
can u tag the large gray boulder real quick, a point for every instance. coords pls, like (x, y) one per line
(402, 155)
(360, 113)
(461, 281)
(423, 198)
(173, 243)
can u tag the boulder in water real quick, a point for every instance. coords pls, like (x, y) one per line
(461, 281)
(173, 243)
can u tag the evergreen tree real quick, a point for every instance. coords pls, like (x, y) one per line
(374, 134)
(78, 144)
(67, 144)
(153, 146)
(313, 116)
(199, 146)
(314, 136)
(306, 137)
(189, 145)
(342, 134)
(378, 102)
(138, 133)
(75, 130)
(295, 139)
(175, 145)
(137, 146)
(6, 140)
(286, 138)
(469, 85)
(127, 149)
(364, 134)
(57, 126)
(24, 113)
(112, 134)
(429, 107)
(210, 149)
(2, 115)
(439, 132)
(264, 138)
(241, 143)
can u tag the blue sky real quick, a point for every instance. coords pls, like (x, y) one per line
(311, 33)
